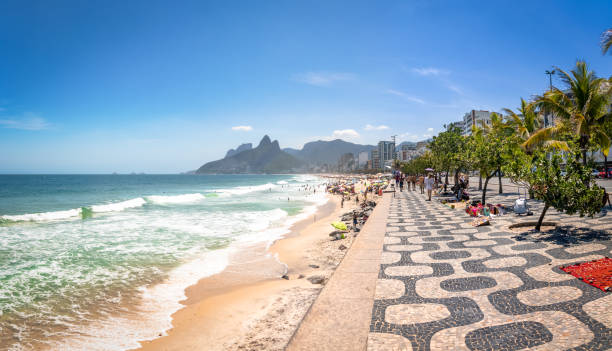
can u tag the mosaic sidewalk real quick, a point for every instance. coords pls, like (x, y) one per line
(445, 285)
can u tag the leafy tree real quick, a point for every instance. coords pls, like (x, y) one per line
(572, 191)
(582, 110)
(447, 146)
(485, 149)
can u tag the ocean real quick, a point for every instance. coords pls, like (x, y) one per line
(98, 262)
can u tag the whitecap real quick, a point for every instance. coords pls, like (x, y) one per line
(175, 199)
(119, 206)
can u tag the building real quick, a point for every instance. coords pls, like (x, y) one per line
(475, 118)
(374, 157)
(386, 151)
(406, 152)
(458, 124)
(363, 158)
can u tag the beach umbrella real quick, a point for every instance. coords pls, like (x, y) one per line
(339, 225)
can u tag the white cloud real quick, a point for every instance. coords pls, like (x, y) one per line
(405, 96)
(25, 123)
(322, 78)
(243, 128)
(429, 71)
(409, 137)
(345, 133)
(455, 88)
(430, 130)
(371, 127)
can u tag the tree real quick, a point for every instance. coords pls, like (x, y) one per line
(526, 122)
(582, 110)
(486, 148)
(572, 191)
(447, 146)
(606, 40)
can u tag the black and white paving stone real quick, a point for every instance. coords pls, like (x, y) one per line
(445, 285)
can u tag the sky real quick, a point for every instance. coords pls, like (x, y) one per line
(165, 86)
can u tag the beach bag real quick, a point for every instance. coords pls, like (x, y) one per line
(520, 206)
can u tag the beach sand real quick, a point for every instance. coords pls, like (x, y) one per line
(249, 306)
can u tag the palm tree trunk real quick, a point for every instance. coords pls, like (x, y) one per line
(584, 158)
(456, 176)
(479, 181)
(501, 190)
(539, 225)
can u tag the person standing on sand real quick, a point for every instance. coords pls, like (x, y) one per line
(354, 220)
(342, 202)
(429, 184)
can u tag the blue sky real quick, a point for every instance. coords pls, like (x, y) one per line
(161, 86)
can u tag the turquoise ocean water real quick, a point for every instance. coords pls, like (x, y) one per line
(100, 261)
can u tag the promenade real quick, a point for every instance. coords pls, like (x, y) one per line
(442, 284)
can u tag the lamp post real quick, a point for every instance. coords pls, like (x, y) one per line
(550, 74)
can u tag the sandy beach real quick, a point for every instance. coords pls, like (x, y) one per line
(250, 305)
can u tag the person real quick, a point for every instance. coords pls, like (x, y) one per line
(401, 184)
(422, 184)
(356, 199)
(354, 220)
(413, 181)
(342, 202)
(429, 184)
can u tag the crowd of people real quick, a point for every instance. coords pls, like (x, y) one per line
(430, 183)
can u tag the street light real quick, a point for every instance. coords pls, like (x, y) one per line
(550, 74)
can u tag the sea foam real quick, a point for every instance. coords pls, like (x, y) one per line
(175, 199)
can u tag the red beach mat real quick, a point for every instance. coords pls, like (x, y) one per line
(597, 273)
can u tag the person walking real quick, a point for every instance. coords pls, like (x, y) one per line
(422, 184)
(401, 183)
(429, 184)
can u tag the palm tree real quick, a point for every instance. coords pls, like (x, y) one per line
(526, 122)
(606, 40)
(582, 110)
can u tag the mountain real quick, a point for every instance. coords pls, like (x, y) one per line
(327, 152)
(267, 157)
(239, 149)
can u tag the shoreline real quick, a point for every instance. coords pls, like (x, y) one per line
(248, 305)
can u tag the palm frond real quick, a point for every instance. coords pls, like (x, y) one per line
(606, 41)
(557, 145)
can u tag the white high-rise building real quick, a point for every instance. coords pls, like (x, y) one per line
(363, 158)
(475, 118)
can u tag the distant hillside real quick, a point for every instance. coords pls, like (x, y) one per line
(267, 157)
(239, 149)
(327, 152)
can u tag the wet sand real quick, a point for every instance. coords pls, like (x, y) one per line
(249, 306)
